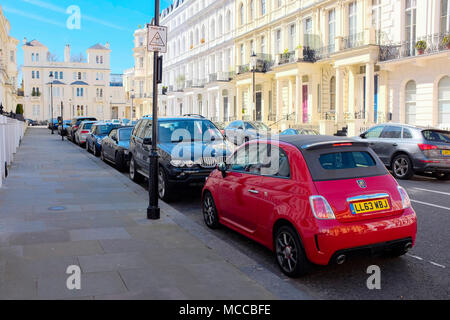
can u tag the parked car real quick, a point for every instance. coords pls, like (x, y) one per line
(53, 123)
(74, 124)
(83, 131)
(189, 149)
(115, 147)
(310, 199)
(63, 129)
(240, 131)
(94, 138)
(407, 149)
(299, 131)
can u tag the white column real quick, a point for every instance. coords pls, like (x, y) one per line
(279, 99)
(339, 95)
(370, 88)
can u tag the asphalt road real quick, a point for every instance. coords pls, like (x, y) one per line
(424, 273)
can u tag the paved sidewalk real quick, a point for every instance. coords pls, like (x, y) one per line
(61, 207)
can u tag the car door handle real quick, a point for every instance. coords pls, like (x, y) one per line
(253, 191)
(394, 144)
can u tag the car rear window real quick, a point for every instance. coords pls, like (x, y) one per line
(436, 136)
(87, 125)
(346, 162)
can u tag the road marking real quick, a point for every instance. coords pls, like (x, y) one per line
(430, 204)
(422, 259)
(428, 190)
(437, 264)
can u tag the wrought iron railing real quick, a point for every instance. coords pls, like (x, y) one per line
(353, 40)
(272, 117)
(328, 115)
(243, 68)
(212, 77)
(188, 84)
(287, 57)
(431, 44)
(225, 76)
(198, 83)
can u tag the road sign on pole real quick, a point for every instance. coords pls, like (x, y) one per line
(157, 38)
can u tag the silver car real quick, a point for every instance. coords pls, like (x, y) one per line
(407, 149)
(240, 131)
(82, 132)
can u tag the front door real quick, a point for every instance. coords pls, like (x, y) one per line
(305, 103)
(258, 116)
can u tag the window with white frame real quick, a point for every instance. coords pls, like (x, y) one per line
(445, 17)
(307, 32)
(410, 102)
(331, 28)
(410, 25)
(263, 7)
(277, 41)
(252, 9)
(292, 36)
(263, 44)
(376, 14)
(241, 14)
(444, 102)
(352, 23)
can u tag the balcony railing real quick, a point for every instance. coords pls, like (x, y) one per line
(188, 84)
(212, 77)
(264, 63)
(285, 58)
(353, 41)
(225, 76)
(243, 68)
(199, 83)
(433, 44)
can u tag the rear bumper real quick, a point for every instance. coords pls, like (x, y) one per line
(334, 237)
(439, 165)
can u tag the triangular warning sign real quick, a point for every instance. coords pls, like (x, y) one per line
(157, 40)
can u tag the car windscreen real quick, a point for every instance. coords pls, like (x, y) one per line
(104, 129)
(343, 163)
(260, 126)
(188, 130)
(436, 136)
(85, 119)
(125, 134)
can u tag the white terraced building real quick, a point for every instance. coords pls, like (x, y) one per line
(80, 88)
(199, 63)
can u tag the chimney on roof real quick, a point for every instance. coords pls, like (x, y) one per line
(25, 40)
(67, 53)
(107, 45)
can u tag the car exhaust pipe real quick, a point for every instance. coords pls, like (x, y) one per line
(340, 259)
(408, 246)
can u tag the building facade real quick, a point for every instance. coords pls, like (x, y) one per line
(72, 87)
(8, 66)
(328, 65)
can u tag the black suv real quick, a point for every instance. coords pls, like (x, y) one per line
(72, 127)
(189, 149)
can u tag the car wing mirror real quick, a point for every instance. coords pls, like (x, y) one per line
(362, 135)
(222, 167)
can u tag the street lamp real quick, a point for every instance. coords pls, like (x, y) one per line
(51, 98)
(71, 108)
(253, 60)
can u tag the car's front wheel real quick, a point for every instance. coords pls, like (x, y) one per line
(119, 161)
(87, 146)
(210, 211)
(402, 167)
(291, 257)
(96, 152)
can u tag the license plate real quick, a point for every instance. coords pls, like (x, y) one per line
(369, 206)
(446, 152)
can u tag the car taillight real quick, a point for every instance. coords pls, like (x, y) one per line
(424, 147)
(406, 202)
(84, 131)
(321, 208)
(342, 144)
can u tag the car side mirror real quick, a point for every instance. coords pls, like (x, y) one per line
(147, 141)
(362, 135)
(222, 167)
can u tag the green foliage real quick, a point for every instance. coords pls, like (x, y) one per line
(19, 109)
(421, 45)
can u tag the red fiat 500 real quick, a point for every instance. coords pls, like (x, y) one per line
(310, 199)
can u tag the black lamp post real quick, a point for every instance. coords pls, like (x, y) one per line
(153, 211)
(132, 97)
(62, 122)
(253, 63)
(51, 99)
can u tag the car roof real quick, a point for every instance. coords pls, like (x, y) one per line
(411, 126)
(175, 118)
(302, 140)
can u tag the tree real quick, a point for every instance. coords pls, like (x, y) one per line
(51, 57)
(19, 109)
(78, 58)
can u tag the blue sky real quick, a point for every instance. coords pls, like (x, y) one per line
(102, 21)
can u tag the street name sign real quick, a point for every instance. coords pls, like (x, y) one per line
(157, 39)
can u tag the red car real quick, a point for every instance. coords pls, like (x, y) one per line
(310, 199)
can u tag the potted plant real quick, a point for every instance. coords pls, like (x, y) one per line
(192, 46)
(421, 45)
(202, 40)
(446, 41)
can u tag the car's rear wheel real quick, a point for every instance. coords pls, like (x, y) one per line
(134, 175)
(87, 146)
(210, 211)
(165, 189)
(118, 160)
(290, 256)
(402, 167)
(102, 155)
(442, 176)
